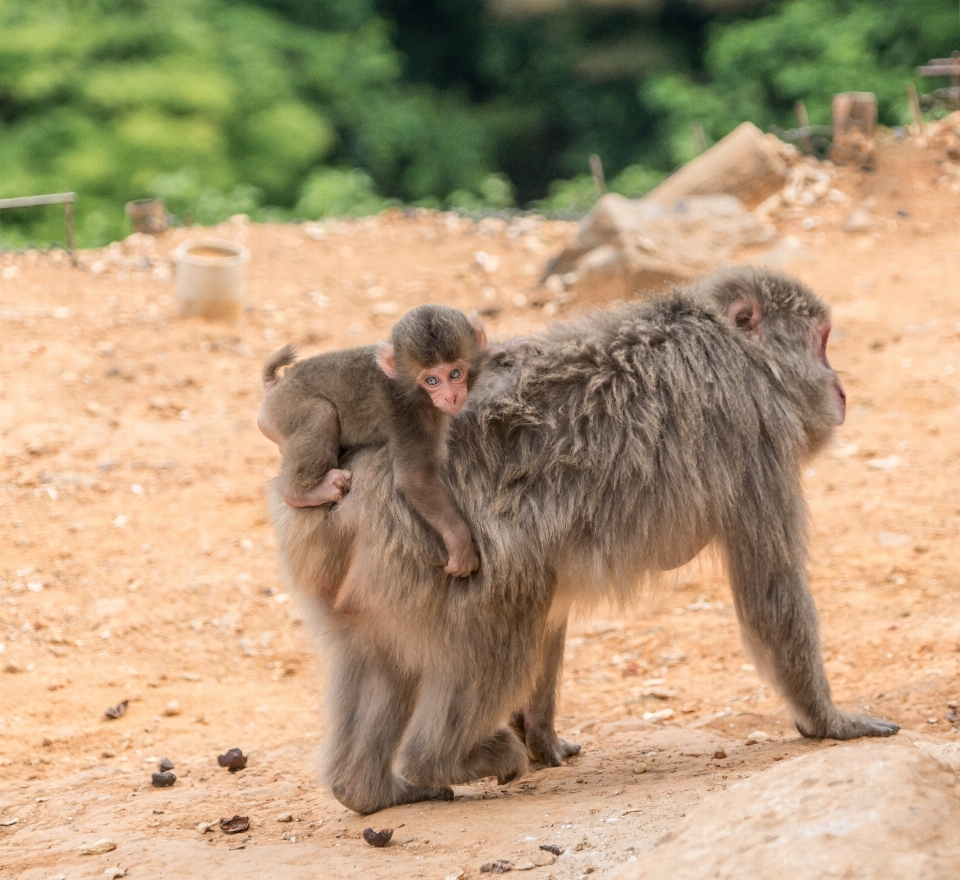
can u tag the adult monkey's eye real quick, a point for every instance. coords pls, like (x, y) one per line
(432, 380)
(456, 374)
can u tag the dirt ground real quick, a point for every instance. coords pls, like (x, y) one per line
(138, 563)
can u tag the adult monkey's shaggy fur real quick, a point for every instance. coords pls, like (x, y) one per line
(620, 445)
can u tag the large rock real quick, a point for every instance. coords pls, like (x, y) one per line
(629, 247)
(746, 163)
(863, 810)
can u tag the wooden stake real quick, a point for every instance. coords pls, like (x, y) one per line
(804, 122)
(68, 220)
(596, 169)
(699, 138)
(915, 108)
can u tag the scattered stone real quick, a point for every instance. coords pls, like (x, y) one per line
(377, 838)
(892, 539)
(552, 848)
(285, 817)
(233, 760)
(115, 872)
(236, 825)
(500, 866)
(953, 715)
(117, 711)
(99, 848)
(162, 780)
(719, 754)
(6, 823)
(758, 736)
(288, 836)
(165, 764)
(858, 220)
(884, 464)
(639, 768)
(172, 708)
(204, 827)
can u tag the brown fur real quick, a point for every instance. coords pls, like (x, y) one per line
(619, 446)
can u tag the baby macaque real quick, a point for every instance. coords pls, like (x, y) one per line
(402, 392)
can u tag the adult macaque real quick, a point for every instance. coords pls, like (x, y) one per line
(403, 391)
(621, 445)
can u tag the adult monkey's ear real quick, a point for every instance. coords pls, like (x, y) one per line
(478, 329)
(744, 314)
(387, 358)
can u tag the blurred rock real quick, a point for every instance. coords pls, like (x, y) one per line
(867, 809)
(631, 247)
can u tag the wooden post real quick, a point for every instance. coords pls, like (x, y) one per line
(699, 138)
(68, 222)
(915, 108)
(804, 122)
(596, 169)
(854, 124)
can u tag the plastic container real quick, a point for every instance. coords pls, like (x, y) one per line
(211, 278)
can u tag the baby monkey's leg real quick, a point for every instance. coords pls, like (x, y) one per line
(331, 489)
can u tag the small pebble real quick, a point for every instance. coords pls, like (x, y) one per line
(172, 708)
(236, 825)
(165, 764)
(758, 736)
(204, 827)
(115, 872)
(551, 848)
(99, 848)
(162, 780)
(719, 754)
(639, 768)
(377, 838)
(233, 760)
(500, 866)
(285, 817)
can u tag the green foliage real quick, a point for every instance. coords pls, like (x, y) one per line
(330, 192)
(293, 108)
(573, 198)
(805, 50)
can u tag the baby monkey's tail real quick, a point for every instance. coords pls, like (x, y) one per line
(283, 358)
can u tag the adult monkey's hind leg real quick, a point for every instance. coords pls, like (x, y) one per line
(369, 706)
(534, 723)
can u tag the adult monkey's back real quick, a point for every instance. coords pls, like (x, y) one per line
(620, 445)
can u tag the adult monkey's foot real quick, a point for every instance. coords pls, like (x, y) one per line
(543, 744)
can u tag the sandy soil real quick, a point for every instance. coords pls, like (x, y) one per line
(138, 563)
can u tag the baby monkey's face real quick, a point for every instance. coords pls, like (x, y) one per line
(446, 384)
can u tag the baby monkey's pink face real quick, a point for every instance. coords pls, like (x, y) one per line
(446, 384)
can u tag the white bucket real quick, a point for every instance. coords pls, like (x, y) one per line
(211, 278)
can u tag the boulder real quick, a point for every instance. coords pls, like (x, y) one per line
(628, 247)
(859, 810)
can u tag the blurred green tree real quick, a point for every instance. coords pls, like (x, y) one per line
(307, 108)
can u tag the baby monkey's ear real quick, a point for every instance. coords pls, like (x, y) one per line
(387, 358)
(478, 330)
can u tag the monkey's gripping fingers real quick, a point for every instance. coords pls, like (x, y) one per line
(844, 726)
(463, 560)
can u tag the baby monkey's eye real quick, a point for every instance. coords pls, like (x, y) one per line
(456, 374)
(432, 380)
